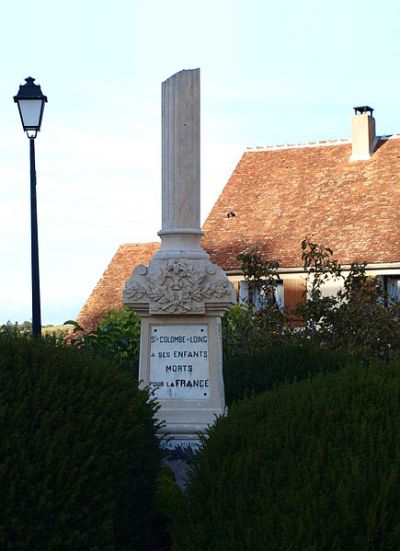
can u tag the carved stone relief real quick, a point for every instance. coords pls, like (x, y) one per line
(178, 287)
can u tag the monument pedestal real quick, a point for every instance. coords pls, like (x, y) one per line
(181, 302)
(181, 364)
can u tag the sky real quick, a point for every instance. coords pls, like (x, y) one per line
(271, 73)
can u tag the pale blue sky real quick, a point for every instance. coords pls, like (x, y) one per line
(271, 73)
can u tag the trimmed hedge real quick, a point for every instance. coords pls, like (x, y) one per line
(78, 453)
(313, 465)
(254, 371)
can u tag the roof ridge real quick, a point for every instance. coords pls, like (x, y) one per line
(138, 244)
(320, 143)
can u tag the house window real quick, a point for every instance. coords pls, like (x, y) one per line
(391, 289)
(243, 293)
(259, 298)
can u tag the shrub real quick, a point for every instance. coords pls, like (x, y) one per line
(16, 329)
(310, 465)
(116, 338)
(253, 371)
(78, 454)
(171, 504)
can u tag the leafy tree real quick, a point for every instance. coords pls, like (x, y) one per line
(262, 278)
(261, 323)
(356, 318)
(321, 267)
(362, 322)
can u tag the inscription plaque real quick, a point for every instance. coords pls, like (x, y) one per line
(179, 362)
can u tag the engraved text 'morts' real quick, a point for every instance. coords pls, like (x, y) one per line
(178, 368)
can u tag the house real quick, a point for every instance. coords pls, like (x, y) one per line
(345, 194)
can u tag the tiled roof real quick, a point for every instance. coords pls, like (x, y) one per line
(275, 197)
(280, 195)
(108, 292)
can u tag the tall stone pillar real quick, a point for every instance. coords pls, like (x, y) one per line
(181, 296)
(181, 159)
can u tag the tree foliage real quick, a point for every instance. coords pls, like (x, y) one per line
(356, 318)
(260, 323)
(116, 337)
(16, 329)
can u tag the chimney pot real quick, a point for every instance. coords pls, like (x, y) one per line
(363, 109)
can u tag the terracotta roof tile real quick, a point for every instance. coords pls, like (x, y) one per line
(279, 195)
(108, 292)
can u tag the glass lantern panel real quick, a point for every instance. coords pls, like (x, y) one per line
(30, 110)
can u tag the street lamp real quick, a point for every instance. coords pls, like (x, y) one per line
(31, 102)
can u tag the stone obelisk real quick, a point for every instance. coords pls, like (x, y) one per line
(181, 296)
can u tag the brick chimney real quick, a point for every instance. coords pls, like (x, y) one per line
(363, 138)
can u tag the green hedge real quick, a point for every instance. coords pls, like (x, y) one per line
(313, 465)
(252, 372)
(78, 453)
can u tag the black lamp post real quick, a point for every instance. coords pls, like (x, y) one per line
(31, 102)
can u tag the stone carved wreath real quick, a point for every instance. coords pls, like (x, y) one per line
(177, 286)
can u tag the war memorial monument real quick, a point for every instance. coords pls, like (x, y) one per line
(181, 296)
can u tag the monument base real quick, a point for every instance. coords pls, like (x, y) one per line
(178, 454)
